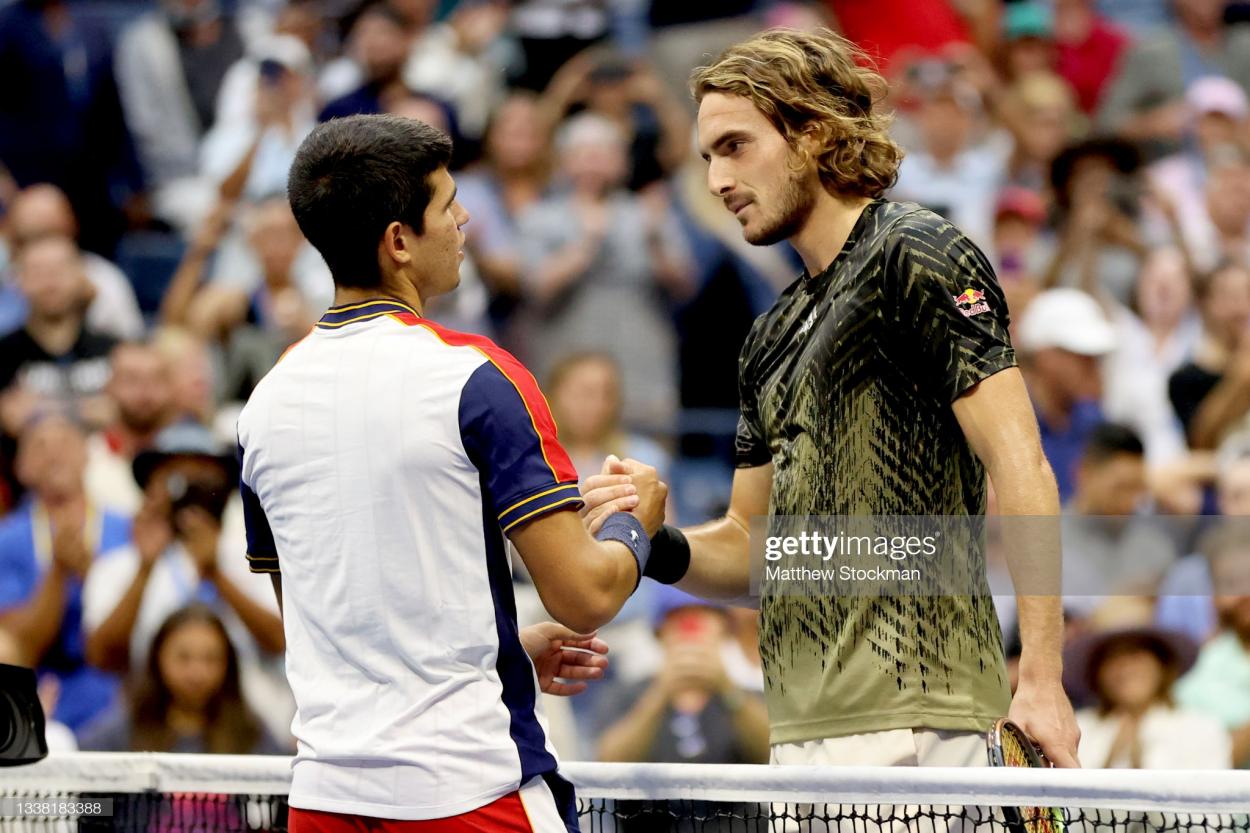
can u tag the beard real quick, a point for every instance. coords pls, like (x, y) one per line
(795, 203)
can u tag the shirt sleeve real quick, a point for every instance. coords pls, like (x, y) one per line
(510, 436)
(950, 310)
(262, 554)
(750, 447)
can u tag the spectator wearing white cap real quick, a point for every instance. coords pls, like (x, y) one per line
(1060, 338)
(1211, 393)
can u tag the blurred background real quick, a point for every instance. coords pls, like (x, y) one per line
(151, 272)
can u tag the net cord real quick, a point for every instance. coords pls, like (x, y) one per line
(1163, 791)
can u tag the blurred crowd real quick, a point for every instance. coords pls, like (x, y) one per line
(151, 272)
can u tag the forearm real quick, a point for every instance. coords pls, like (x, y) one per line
(1029, 502)
(563, 268)
(630, 739)
(108, 646)
(1241, 746)
(36, 623)
(1223, 407)
(720, 559)
(182, 289)
(264, 625)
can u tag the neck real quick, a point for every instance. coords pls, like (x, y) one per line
(54, 334)
(62, 500)
(185, 721)
(403, 292)
(826, 230)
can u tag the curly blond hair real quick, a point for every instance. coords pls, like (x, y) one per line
(814, 83)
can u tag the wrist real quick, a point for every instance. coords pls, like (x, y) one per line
(670, 555)
(626, 529)
(1040, 672)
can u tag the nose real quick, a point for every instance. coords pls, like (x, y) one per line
(719, 180)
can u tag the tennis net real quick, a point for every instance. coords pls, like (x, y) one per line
(166, 793)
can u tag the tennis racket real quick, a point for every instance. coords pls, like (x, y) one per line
(1008, 745)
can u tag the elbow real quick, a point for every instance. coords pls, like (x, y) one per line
(587, 616)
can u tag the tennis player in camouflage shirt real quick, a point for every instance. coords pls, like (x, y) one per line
(882, 382)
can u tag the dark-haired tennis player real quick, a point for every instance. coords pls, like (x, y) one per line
(881, 383)
(384, 460)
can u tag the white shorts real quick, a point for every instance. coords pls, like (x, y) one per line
(894, 747)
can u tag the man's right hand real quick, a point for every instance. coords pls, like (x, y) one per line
(618, 488)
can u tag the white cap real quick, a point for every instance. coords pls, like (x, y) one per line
(287, 50)
(1068, 319)
(1217, 94)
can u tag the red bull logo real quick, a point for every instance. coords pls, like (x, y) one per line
(971, 302)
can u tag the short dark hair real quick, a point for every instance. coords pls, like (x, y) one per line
(353, 177)
(1110, 440)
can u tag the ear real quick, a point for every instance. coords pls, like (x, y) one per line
(396, 244)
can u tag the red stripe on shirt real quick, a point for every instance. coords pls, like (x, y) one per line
(540, 412)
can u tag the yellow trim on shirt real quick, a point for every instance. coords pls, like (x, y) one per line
(542, 509)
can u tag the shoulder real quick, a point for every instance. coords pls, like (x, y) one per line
(906, 228)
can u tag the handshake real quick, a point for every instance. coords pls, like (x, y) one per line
(624, 486)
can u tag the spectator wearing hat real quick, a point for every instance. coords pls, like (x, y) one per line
(1019, 218)
(1145, 100)
(47, 546)
(1134, 722)
(1219, 684)
(691, 711)
(1211, 393)
(1060, 338)
(1180, 182)
(177, 555)
(1028, 38)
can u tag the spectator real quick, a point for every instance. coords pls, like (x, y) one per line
(1087, 50)
(1097, 195)
(551, 32)
(55, 356)
(1219, 684)
(256, 144)
(190, 698)
(462, 61)
(194, 374)
(950, 174)
(1218, 110)
(1028, 39)
(379, 44)
(1154, 337)
(691, 711)
(1211, 393)
(47, 545)
(513, 175)
(1108, 547)
(1135, 721)
(585, 393)
(1040, 111)
(1018, 250)
(631, 96)
(1226, 233)
(1185, 597)
(170, 67)
(44, 210)
(599, 264)
(143, 394)
(1061, 336)
(62, 123)
(1144, 101)
(178, 555)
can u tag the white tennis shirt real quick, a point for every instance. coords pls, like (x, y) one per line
(383, 460)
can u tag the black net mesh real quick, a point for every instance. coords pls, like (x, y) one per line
(154, 812)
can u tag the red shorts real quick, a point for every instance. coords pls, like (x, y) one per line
(544, 805)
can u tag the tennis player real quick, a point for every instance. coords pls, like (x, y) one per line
(384, 459)
(882, 382)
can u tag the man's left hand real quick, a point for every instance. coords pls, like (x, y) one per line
(1043, 711)
(561, 654)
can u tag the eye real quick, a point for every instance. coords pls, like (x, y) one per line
(734, 146)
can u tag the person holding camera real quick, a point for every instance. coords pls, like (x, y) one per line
(174, 557)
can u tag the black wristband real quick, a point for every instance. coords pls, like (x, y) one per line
(670, 556)
(624, 527)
